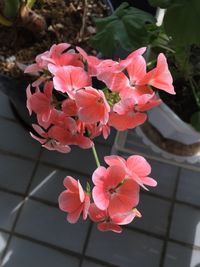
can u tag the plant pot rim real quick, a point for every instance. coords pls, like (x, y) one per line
(173, 127)
(168, 135)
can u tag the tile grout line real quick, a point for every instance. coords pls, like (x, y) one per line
(54, 204)
(171, 211)
(86, 243)
(62, 250)
(37, 161)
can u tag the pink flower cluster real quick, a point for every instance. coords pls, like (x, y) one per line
(115, 194)
(71, 111)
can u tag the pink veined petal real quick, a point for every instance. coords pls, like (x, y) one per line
(39, 130)
(123, 218)
(98, 176)
(115, 160)
(90, 114)
(69, 201)
(83, 142)
(71, 184)
(81, 192)
(28, 96)
(108, 226)
(160, 77)
(149, 181)
(125, 62)
(100, 197)
(69, 79)
(105, 131)
(126, 197)
(41, 140)
(92, 61)
(74, 216)
(114, 81)
(137, 179)
(48, 89)
(97, 215)
(86, 97)
(126, 121)
(33, 68)
(115, 175)
(60, 148)
(86, 207)
(53, 68)
(130, 189)
(125, 105)
(138, 165)
(69, 107)
(136, 70)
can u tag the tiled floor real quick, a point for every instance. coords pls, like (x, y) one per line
(33, 232)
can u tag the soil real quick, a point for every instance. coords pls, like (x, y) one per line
(66, 21)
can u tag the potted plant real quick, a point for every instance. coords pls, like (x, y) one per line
(138, 28)
(180, 136)
(30, 27)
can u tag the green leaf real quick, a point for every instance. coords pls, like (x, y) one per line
(30, 3)
(182, 20)
(11, 8)
(195, 120)
(160, 3)
(125, 28)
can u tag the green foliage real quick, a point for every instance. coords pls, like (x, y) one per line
(182, 20)
(30, 3)
(195, 120)
(125, 28)
(11, 8)
(160, 3)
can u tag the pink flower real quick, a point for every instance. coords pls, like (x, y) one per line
(92, 61)
(160, 77)
(69, 79)
(111, 223)
(129, 120)
(39, 66)
(113, 190)
(40, 102)
(69, 107)
(65, 131)
(139, 99)
(92, 105)
(49, 140)
(62, 55)
(56, 56)
(74, 200)
(136, 168)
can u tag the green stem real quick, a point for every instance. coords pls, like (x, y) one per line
(30, 3)
(194, 92)
(96, 156)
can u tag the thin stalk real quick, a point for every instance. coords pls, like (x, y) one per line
(194, 92)
(96, 156)
(30, 3)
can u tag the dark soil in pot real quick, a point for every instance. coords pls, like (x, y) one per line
(66, 21)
